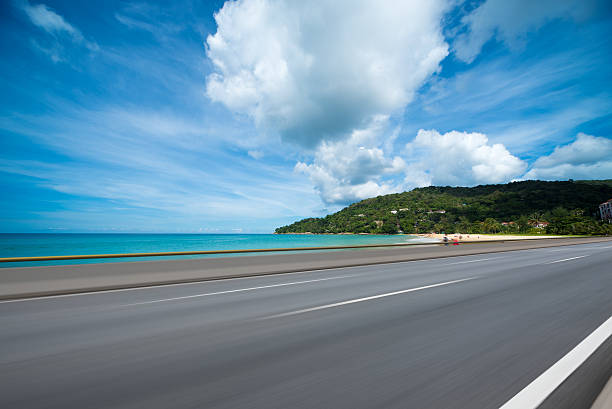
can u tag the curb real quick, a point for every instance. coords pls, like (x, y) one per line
(604, 400)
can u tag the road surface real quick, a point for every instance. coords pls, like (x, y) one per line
(462, 332)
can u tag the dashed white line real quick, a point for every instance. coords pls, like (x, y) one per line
(537, 391)
(582, 248)
(566, 259)
(373, 297)
(238, 290)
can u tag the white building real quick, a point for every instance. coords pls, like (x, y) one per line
(605, 209)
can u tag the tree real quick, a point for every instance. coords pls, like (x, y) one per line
(389, 228)
(490, 225)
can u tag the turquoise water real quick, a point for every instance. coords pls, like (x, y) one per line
(29, 245)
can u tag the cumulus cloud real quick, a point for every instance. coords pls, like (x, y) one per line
(459, 158)
(317, 74)
(48, 20)
(348, 170)
(327, 78)
(510, 21)
(588, 157)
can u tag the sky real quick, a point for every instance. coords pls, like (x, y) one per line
(242, 116)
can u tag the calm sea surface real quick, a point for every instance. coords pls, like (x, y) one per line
(24, 245)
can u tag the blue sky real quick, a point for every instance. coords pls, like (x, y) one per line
(247, 115)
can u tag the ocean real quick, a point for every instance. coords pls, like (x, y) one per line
(54, 244)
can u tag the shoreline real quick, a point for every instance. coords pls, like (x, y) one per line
(348, 234)
(439, 236)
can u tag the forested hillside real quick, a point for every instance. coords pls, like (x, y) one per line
(568, 207)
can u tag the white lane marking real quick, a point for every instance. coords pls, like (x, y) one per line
(356, 300)
(597, 248)
(566, 259)
(584, 248)
(238, 290)
(537, 391)
(473, 261)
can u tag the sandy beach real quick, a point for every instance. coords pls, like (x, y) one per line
(482, 237)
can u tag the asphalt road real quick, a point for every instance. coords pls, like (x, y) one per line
(460, 332)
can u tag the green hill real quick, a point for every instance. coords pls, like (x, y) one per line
(568, 207)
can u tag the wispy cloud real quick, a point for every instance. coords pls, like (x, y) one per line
(55, 25)
(47, 19)
(164, 164)
(161, 22)
(528, 104)
(511, 21)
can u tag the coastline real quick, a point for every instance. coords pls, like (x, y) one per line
(439, 236)
(349, 234)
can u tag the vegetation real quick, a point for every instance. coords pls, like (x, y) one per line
(529, 207)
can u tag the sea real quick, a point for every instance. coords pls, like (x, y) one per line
(55, 244)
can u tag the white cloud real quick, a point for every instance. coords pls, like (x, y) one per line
(459, 158)
(328, 78)
(588, 157)
(45, 18)
(255, 154)
(353, 169)
(510, 21)
(316, 74)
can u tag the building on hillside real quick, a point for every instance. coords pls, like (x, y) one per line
(538, 224)
(605, 210)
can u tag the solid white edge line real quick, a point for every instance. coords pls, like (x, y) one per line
(237, 290)
(537, 391)
(373, 297)
(566, 259)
